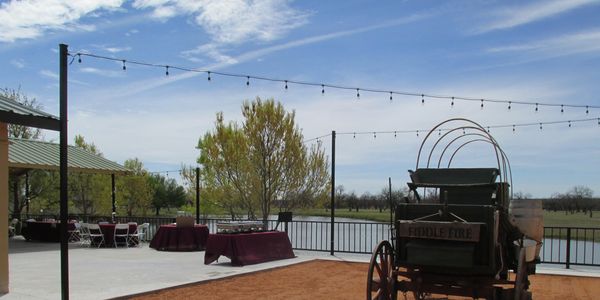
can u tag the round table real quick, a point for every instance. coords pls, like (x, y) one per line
(173, 238)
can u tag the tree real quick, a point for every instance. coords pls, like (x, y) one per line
(90, 193)
(166, 193)
(20, 131)
(262, 162)
(134, 190)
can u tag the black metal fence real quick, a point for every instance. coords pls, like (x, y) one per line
(561, 245)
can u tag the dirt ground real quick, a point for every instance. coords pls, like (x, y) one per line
(322, 279)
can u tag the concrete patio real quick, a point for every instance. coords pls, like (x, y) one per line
(108, 273)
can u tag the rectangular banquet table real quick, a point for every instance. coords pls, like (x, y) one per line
(248, 248)
(173, 238)
(45, 231)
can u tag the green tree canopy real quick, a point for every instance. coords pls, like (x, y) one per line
(166, 193)
(262, 162)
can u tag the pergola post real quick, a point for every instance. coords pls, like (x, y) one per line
(3, 207)
(332, 241)
(197, 195)
(64, 181)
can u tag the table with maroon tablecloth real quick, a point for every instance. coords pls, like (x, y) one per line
(173, 238)
(44, 231)
(109, 232)
(248, 248)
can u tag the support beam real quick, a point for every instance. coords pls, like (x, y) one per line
(64, 181)
(332, 244)
(197, 195)
(3, 208)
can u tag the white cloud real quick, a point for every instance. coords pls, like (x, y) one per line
(29, 19)
(520, 15)
(112, 49)
(233, 21)
(49, 74)
(581, 42)
(210, 50)
(18, 63)
(105, 73)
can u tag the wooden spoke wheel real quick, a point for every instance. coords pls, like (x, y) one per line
(381, 281)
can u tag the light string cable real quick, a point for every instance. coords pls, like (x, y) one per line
(418, 132)
(323, 86)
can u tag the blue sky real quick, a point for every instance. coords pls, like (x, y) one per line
(533, 51)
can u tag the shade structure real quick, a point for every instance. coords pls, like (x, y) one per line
(29, 154)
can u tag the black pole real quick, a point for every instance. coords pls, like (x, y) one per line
(113, 194)
(197, 195)
(64, 180)
(27, 194)
(391, 201)
(332, 192)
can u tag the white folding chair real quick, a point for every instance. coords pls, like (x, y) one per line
(139, 235)
(95, 234)
(121, 233)
(84, 234)
(74, 234)
(12, 227)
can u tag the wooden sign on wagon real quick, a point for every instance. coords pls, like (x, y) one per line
(453, 231)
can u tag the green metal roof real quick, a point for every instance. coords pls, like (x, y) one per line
(30, 154)
(13, 112)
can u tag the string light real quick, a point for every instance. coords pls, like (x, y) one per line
(569, 124)
(488, 129)
(286, 86)
(394, 134)
(417, 133)
(452, 103)
(208, 75)
(124, 67)
(439, 132)
(587, 110)
(322, 89)
(354, 135)
(406, 93)
(357, 93)
(540, 126)
(247, 80)
(562, 109)
(374, 134)
(481, 103)
(391, 97)
(509, 104)
(513, 128)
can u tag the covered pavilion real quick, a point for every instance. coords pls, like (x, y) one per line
(22, 155)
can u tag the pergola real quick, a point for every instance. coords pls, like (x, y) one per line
(25, 155)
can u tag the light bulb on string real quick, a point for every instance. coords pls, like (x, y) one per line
(452, 103)
(439, 132)
(569, 124)
(124, 67)
(391, 97)
(357, 93)
(536, 107)
(509, 105)
(562, 109)
(417, 133)
(481, 103)
(422, 99)
(394, 134)
(513, 128)
(354, 135)
(587, 110)
(286, 86)
(322, 89)
(540, 126)
(166, 70)
(247, 80)
(488, 129)
(208, 76)
(464, 131)
(374, 134)
(79, 57)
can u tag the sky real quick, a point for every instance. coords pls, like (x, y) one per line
(545, 52)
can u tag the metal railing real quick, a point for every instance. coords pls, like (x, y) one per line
(561, 245)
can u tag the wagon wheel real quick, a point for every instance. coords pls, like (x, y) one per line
(381, 281)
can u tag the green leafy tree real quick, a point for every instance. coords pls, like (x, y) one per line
(89, 193)
(262, 162)
(135, 193)
(20, 131)
(208, 197)
(166, 193)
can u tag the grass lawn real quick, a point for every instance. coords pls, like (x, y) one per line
(550, 218)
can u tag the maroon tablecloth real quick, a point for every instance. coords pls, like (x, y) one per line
(45, 231)
(248, 248)
(109, 233)
(173, 238)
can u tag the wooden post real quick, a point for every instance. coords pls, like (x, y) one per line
(4, 208)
